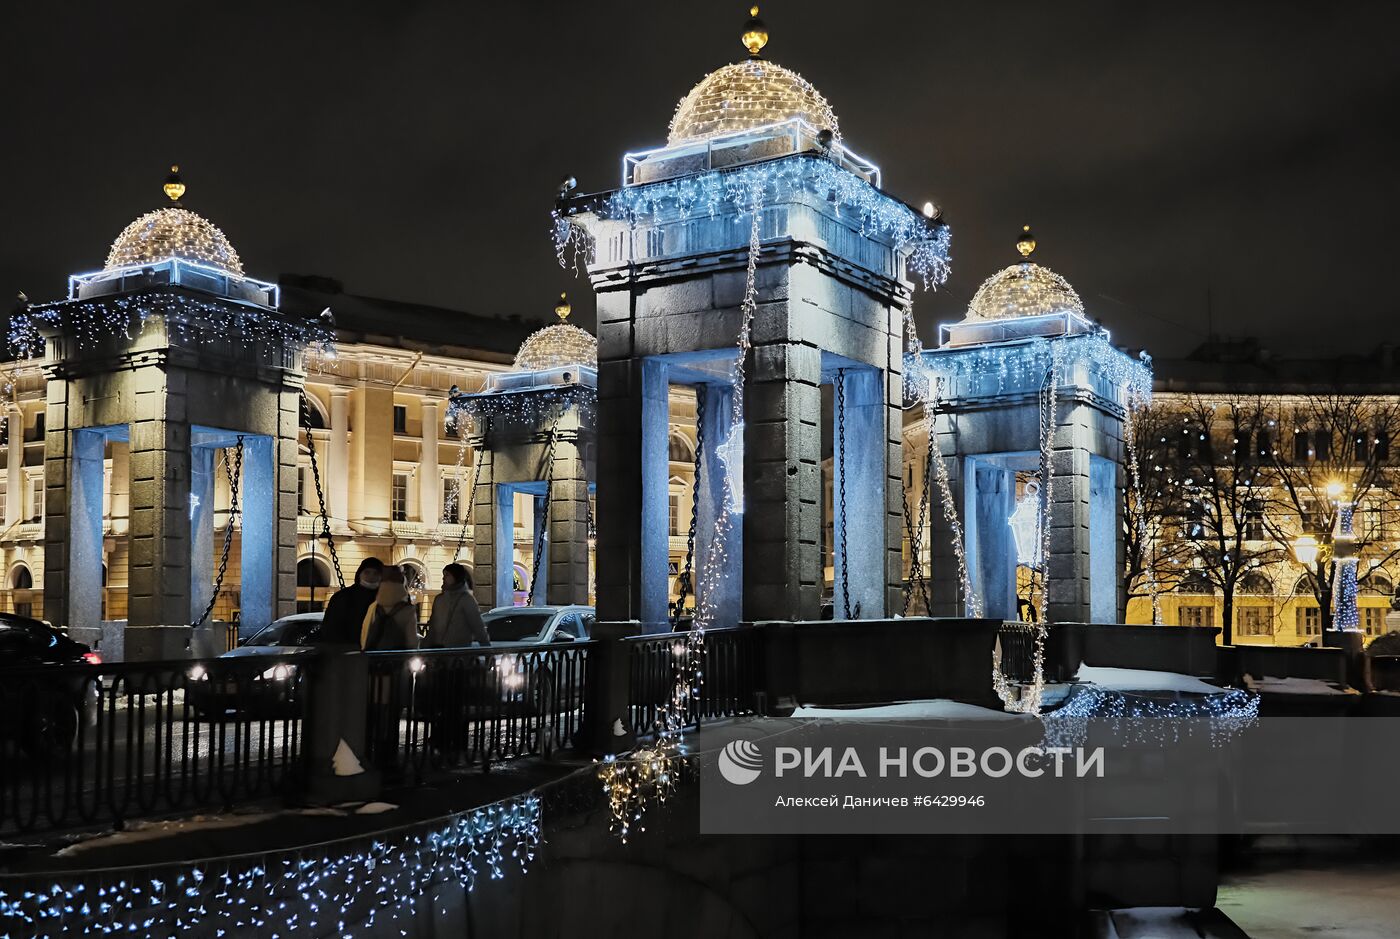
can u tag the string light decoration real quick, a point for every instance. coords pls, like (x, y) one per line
(1152, 721)
(972, 602)
(1025, 527)
(923, 242)
(559, 345)
(524, 405)
(1024, 289)
(1345, 614)
(748, 94)
(185, 318)
(173, 232)
(272, 894)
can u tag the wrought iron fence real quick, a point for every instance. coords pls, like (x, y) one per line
(730, 671)
(436, 708)
(100, 744)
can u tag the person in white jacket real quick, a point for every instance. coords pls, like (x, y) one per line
(456, 617)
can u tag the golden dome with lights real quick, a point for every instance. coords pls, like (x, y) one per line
(749, 94)
(1024, 289)
(558, 345)
(173, 232)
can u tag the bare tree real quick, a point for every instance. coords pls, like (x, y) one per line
(1331, 439)
(1153, 556)
(1221, 476)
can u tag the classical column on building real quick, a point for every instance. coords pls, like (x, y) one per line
(14, 468)
(429, 472)
(338, 456)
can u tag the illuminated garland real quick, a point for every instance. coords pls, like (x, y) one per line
(1345, 614)
(286, 891)
(531, 405)
(1140, 719)
(972, 603)
(1025, 362)
(186, 319)
(878, 215)
(748, 94)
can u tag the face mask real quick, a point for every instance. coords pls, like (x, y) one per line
(370, 580)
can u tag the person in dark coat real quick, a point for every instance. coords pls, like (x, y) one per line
(345, 613)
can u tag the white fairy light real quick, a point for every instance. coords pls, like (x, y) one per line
(173, 232)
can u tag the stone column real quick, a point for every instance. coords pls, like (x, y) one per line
(481, 514)
(945, 585)
(338, 456)
(655, 543)
(503, 546)
(14, 468)
(429, 472)
(374, 452)
(567, 570)
(160, 606)
(991, 544)
(782, 478)
(203, 460)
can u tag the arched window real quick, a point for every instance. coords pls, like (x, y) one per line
(1195, 582)
(1257, 584)
(313, 572)
(414, 577)
(680, 449)
(313, 414)
(1377, 584)
(23, 583)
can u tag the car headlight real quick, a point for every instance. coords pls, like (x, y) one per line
(278, 673)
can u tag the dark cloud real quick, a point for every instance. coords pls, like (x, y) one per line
(1172, 158)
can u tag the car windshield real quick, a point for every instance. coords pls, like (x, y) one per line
(515, 627)
(285, 632)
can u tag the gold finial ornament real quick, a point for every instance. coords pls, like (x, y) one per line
(174, 186)
(755, 33)
(562, 309)
(1026, 243)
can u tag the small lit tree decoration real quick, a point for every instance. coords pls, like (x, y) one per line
(1025, 527)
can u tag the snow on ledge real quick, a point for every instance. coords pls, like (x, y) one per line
(1136, 679)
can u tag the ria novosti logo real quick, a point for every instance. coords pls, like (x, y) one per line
(740, 762)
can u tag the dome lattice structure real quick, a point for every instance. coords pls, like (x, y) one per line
(557, 346)
(173, 232)
(745, 95)
(1024, 289)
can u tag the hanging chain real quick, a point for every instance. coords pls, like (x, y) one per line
(687, 572)
(234, 472)
(471, 489)
(325, 517)
(542, 523)
(841, 490)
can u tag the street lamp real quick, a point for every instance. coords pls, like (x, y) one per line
(1306, 549)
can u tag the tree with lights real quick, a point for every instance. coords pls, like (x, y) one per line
(1154, 562)
(1331, 455)
(1221, 477)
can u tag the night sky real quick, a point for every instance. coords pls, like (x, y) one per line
(1180, 163)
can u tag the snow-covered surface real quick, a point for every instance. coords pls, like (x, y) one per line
(932, 710)
(1162, 922)
(1269, 685)
(150, 831)
(1136, 679)
(1355, 901)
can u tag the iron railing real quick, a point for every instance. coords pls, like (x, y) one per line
(1017, 644)
(438, 708)
(100, 744)
(731, 671)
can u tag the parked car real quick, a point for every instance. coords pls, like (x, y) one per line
(241, 682)
(527, 681)
(42, 713)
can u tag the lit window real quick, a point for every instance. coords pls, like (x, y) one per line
(1195, 616)
(1308, 620)
(451, 500)
(398, 498)
(1255, 620)
(675, 521)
